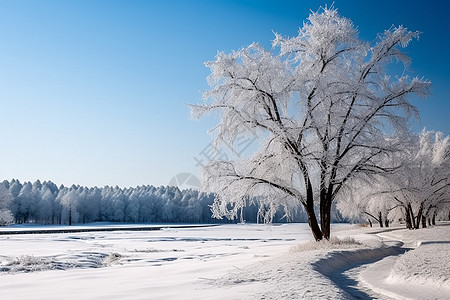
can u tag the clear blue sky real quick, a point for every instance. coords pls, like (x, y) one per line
(93, 92)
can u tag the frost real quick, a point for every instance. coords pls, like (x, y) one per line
(325, 110)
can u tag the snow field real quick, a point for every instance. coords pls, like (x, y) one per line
(171, 263)
(228, 262)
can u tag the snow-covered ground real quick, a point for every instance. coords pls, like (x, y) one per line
(227, 262)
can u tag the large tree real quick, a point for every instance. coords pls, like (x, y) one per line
(324, 107)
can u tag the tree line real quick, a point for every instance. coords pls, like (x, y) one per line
(46, 203)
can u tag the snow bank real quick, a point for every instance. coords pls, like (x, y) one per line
(420, 273)
(428, 264)
(334, 261)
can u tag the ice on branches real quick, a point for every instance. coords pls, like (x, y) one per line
(324, 107)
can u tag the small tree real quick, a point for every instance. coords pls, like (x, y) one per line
(370, 201)
(5, 200)
(324, 108)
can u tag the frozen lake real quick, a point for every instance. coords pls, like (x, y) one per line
(168, 263)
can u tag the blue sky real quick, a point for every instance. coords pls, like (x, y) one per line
(93, 92)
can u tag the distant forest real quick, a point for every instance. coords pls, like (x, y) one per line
(46, 203)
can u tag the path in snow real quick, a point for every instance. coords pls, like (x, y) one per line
(344, 268)
(418, 271)
(349, 280)
(421, 273)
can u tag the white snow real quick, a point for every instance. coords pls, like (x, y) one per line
(227, 262)
(421, 273)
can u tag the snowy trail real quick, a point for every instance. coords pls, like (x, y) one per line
(410, 276)
(418, 271)
(349, 279)
(362, 280)
(344, 269)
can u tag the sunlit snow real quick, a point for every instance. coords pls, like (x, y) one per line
(227, 262)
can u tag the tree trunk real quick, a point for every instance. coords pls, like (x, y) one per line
(70, 215)
(312, 221)
(408, 219)
(413, 220)
(424, 222)
(325, 214)
(419, 216)
(380, 219)
(433, 220)
(370, 222)
(386, 222)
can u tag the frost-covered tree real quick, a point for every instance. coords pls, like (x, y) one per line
(119, 205)
(422, 186)
(36, 199)
(324, 107)
(416, 192)
(69, 201)
(88, 204)
(369, 201)
(22, 206)
(15, 187)
(45, 206)
(133, 211)
(5, 200)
